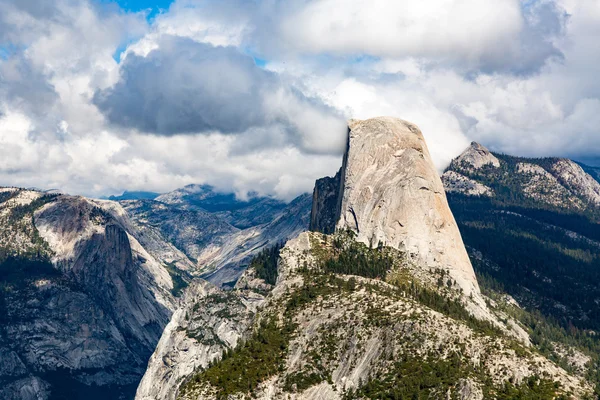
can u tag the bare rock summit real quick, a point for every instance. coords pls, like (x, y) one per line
(391, 194)
(476, 156)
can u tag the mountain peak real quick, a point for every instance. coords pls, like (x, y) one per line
(390, 193)
(477, 155)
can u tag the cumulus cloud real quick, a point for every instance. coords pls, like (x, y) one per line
(188, 87)
(504, 35)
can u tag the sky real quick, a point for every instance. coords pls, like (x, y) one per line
(98, 96)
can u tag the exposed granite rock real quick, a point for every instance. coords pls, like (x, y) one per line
(220, 251)
(557, 182)
(326, 204)
(574, 178)
(226, 262)
(542, 186)
(458, 183)
(209, 322)
(130, 284)
(29, 388)
(345, 338)
(84, 322)
(476, 156)
(393, 195)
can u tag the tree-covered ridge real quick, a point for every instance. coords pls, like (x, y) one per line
(549, 336)
(543, 265)
(265, 263)
(355, 305)
(546, 256)
(512, 186)
(19, 236)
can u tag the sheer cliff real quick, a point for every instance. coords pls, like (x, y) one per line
(389, 192)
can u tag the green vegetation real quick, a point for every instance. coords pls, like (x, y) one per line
(424, 378)
(20, 237)
(413, 378)
(242, 369)
(538, 253)
(263, 354)
(5, 196)
(265, 263)
(17, 273)
(350, 257)
(19, 212)
(179, 278)
(534, 388)
(507, 185)
(546, 332)
(538, 264)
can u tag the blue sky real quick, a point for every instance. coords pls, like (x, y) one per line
(139, 5)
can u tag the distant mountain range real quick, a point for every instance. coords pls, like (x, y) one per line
(87, 286)
(532, 228)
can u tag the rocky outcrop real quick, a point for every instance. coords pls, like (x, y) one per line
(131, 285)
(332, 328)
(348, 331)
(533, 238)
(476, 156)
(575, 179)
(325, 204)
(541, 186)
(458, 183)
(209, 322)
(225, 263)
(392, 194)
(555, 182)
(220, 250)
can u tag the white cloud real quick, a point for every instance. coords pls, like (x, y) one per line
(517, 76)
(453, 29)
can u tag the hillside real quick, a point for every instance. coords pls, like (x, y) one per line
(82, 303)
(329, 329)
(535, 230)
(386, 307)
(534, 234)
(88, 286)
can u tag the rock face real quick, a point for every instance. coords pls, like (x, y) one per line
(476, 156)
(326, 203)
(555, 182)
(110, 264)
(458, 183)
(575, 179)
(533, 236)
(209, 322)
(83, 304)
(352, 314)
(391, 194)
